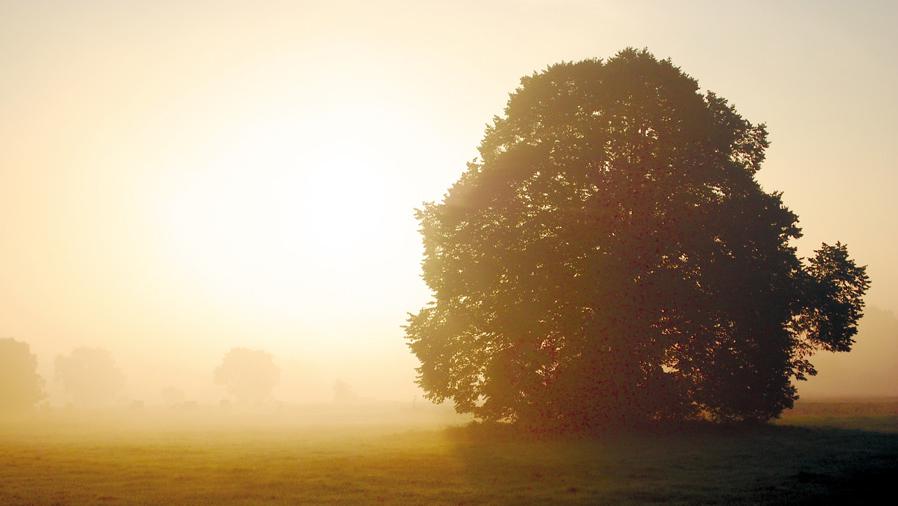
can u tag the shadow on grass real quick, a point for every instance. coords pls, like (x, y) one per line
(688, 464)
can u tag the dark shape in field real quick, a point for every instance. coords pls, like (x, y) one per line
(20, 385)
(691, 463)
(612, 259)
(89, 376)
(248, 375)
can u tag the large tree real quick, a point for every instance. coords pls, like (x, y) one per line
(611, 258)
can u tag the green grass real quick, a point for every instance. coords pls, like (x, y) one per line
(807, 457)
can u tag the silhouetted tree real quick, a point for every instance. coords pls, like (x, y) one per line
(248, 375)
(20, 385)
(611, 258)
(89, 376)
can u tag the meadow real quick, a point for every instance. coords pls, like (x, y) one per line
(843, 451)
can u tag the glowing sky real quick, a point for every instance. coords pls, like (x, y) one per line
(177, 178)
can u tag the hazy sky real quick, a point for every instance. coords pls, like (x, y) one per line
(177, 178)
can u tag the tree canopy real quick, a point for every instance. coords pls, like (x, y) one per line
(20, 385)
(90, 376)
(611, 258)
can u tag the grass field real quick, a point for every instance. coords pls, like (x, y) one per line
(841, 451)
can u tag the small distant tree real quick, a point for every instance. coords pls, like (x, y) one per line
(248, 375)
(611, 258)
(172, 396)
(343, 392)
(20, 385)
(89, 376)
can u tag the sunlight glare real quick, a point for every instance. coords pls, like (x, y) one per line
(290, 209)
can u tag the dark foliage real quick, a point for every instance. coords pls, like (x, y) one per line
(612, 259)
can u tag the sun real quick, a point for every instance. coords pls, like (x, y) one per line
(288, 210)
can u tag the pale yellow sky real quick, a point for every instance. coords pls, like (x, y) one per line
(177, 178)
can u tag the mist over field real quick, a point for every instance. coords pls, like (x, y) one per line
(492, 252)
(868, 371)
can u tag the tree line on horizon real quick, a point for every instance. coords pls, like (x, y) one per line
(91, 378)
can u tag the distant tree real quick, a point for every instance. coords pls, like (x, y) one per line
(89, 376)
(20, 385)
(248, 375)
(172, 396)
(343, 392)
(611, 258)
